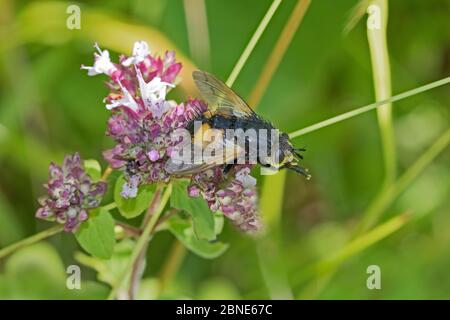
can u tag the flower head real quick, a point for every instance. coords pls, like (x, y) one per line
(232, 193)
(102, 63)
(144, 141)
(70, 194)
(142, 119)
(140, 52)
(142, 124)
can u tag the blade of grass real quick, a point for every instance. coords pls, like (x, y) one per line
(270, 258)
(30, 240)
(171, 265)
(388, 195)
(272, 198)
(267, 245)
(369, 107)
(325, 269)
(197, 30)
(355, 15)
(253, 41)
(278, 51)
(381, 70)
(382, 202)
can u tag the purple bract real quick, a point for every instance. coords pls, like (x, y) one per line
(70, 194)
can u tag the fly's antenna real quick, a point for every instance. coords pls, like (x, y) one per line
(300, 170)
(298, 155)
(297, 151)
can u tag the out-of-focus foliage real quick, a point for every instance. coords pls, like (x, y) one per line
(49, 107)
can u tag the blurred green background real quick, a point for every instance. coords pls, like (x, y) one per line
(49, 107)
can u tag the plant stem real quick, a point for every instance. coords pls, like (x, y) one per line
(268, 247)
(278, 51)
(378, 206)
(325, 269)
(110, 206)
(381, 70)
(142, 241)
(171, 265)
(364, 241)
(197, 30)
(369, 107)
(106, 173)
(139, 264)
(356, 14)
(129, 230)
(388, 195)
(30, 240)
(252, 43)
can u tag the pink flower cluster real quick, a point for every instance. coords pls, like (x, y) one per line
(141, 123)
(233, 193)
(142, 119)
(70, 194)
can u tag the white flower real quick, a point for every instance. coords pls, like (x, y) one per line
(245, 178)
(102, 63)
(127, 100)
(130, 189)
(161, 107)
(140, 52)
(154, 94)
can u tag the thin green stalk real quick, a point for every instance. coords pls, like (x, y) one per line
(110, 206)
(253, 41)
(142, 242)
(325, 269)
(378, 206)
(171, 265)
(388, 195)
(30, 240)
(272, 198)
(197, 30)
(369, 107)
(362, 242)
(270, 259)
(356, 14)
(277, 54)
(106, 174)
(381, 70)
(139, 264)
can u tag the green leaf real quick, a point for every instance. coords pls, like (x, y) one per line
(148, 289)
(202, 216)
(130, 208)
(93, 168)
(109, 271)
(96, 235)
(183, 231)
(218, 222)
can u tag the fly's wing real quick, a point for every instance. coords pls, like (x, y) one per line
(231, 151)
(219, 96)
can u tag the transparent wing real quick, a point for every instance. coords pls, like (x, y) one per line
(219, 96)
(230, 152)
